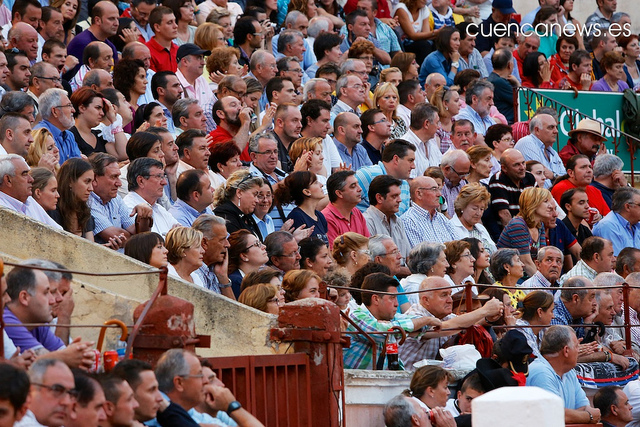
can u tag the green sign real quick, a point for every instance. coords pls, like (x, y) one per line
(604, 107)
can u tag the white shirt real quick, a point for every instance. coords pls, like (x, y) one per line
(195, 277)
(427, 153)
(405, 114)
(462, 233)
(29, 420)
(31, 209)
(331, 155)
(163, 221)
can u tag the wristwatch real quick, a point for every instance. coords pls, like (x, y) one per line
(235, 405)
(455, 64)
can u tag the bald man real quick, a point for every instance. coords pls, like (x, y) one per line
(438, 304)
(25, 38)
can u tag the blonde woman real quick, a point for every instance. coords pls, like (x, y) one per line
(300, 284)
(185, 253)
(391, 75)
(262, 296)
(209, 36)
(481, 164)
(469, 206)
(350, 251)
(223, 61)
(526, 231)
(236, 200)
(43, 151)
(386, 98)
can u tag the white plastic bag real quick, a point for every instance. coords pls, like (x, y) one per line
(460, 357)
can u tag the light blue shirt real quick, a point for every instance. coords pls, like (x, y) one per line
(357, 160)
(435, 62)
(266, 225)
(533, 149)
(366, 175)
(476, 62)
(148, 95)
(308, 59)
(617, 229)
(65, 141)
(542, 375)
(480, 124)
(114, 213)
(489, 66)
(185, 214)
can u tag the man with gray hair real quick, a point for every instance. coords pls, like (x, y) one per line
(422, 129)
(263, 68)
(18, 102)
(15, 190)
(317, 88)
(351, 93)
(52, 393)
(613, 337)
(57, 117)
(549, 264)
(43, 76)
(188, 114)
(608, 176)
(405, 411)
(577, 301)
(538, 145)
(455, 165)
(318, 25)
(620, 226)
(628, 261)
(214, 270)
(283, 251)
(297, 21)
(98, 80)
(291, 43)
(479, 99)
(554, 372)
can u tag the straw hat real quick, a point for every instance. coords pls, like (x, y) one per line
(589, 126)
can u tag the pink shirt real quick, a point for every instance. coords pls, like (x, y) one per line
(202, 92)
(338, 224)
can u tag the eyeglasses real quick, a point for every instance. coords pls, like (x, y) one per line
(466, 255)
(265, 196)
(293, 254)
(384, 120)
(356, 86)
(240, 94)
(365, 252)
(200, 376)
(58, 390)
(257, 34)
(297, 70)
(157, 176)
(268, 152)
(394, 252)
(257, 244)
(503, 139)
(69, 105)
(429, 188)
(461, 175)
(53, 79)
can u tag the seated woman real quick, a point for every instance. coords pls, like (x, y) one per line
(469, 206)
(631, 49)
(546, 23)
(483, 261)
(263, 297)
(499, 139)
(43, 150)
(536, 312)
(424, 260)
(246, 255)
(507, 269)
(89, 111)
(236, 200)
(407, 64)
(151, 115)
(386, 98)
(444, 59)
(559, 62)
(351, 251)
(430, 387)
(315, 256)
(185, 254)
(44, 189)
(314, 161)
(448, 103)
(223, 161)
(300, 284)
(461, 265)
(526, 232)
(147, 247)
(305, 191)
(614, 79)
(75, 184)
(415, 31)
(130, 78)
(223, 61)
(481, 164)
(537, 170)
(536, 72)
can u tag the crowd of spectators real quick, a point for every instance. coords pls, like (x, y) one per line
(262, 150)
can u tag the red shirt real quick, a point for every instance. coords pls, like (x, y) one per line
(558, 70)
(595, 196)
(161, 58)
(220, 134)
(520, 63)
(520, 130)
(338, 225)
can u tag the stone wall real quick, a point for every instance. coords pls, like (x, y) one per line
(235, 329)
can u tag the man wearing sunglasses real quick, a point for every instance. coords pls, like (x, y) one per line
(52, 394)
(455, 166)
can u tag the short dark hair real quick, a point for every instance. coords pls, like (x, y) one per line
(572, 40)
(20, 7)
(567, 197)
(140, 246)
(358, 277)
(325, 42)
(627, 257)
(159, 79)
(186, 138)
(47, 11)
(217, 106)
(12, 58)
(48, 46)
(328, 68)
(591, 246)
(129, 370)
(91, 52)
(406, 88)
(312, 109)
(275, 84)
(110, 385)
(368, 119)
(86, 387)
(140, 167)
(336, 182)
(351, 18)
(99, 161)
(155, 17)
(379, 282)
(381, 184)
(577, 57)
(20, 279)
(124, 73)
(397, 147)
(14, 386)
(495, 133)
(244, 26)
(309, 249)
(188, 182)
(604, 398)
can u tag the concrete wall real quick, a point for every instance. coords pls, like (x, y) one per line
(582, 9)
(235, 329)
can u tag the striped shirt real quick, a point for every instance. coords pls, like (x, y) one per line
(580, 269)
(561, 316)
(415, 349)
(420, 226)
(114, 213)
(516, 236)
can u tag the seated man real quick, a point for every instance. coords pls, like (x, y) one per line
(577, 301)
(342, 214)
(614, 406)
(14, 390)
(142, 380)
(195, 195)
(596, 257)
(437, 304)
(31, 301)
(470, 389)
(405, 411)
(549, 268)
(554, 372)
(621, 225)
(120, 403)
(378, 313)
(87, 410)
(283, 251)
(48, 408)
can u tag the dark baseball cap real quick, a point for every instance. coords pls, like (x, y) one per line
(504, 6)
(190, 49)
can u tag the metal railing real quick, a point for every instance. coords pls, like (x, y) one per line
(534, 98)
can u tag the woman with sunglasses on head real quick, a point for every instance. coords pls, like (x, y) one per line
(236, 201)
(246, 255)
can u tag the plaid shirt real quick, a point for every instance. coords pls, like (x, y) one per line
(538, 281)
(561, 316)
(580, 269)
(360, 354)
(415, 349)
(420, 226)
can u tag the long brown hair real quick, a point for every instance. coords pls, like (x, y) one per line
(70, 205)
